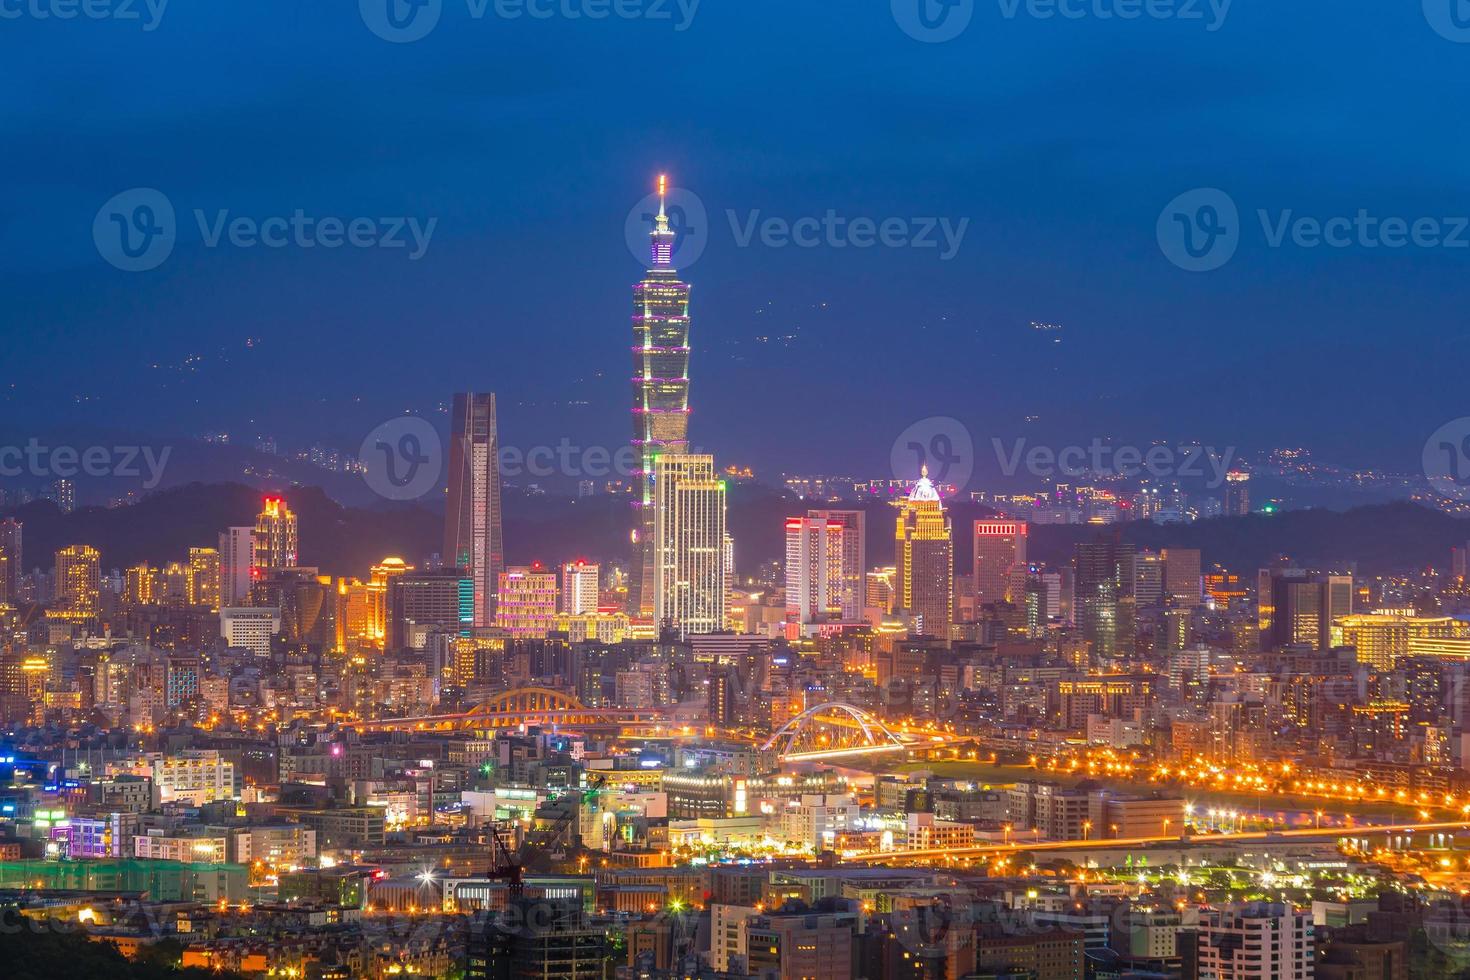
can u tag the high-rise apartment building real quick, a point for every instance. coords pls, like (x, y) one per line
(428, 601)
(579, 588)
(78, 580)
(689, 540)
(275, 538)
(526, 601)
(202, 586)
(815, 585)
(1237, 493)
(473, 538)
(854, 558)
(660, 397)
(924, 553)
(11, 538)
(236, 558)
(1253, 941)
(1000, 561)
(1183, 577)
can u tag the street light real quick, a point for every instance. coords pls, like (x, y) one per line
(1086, 828)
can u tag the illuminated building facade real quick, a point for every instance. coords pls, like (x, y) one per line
(204, 578)
(660, 396)
(1382, 640)
(851, 573)
(1295, 608)
(924, 552)
(526, 605)
(1237, 493)
(1000, 561)
(473, 538)
(1183, 579)
(689, 544)
(78, 580)
(1103, 584)
(11, 538)
(814, 569)
(275, 540)
(579, 582)
(236, 556)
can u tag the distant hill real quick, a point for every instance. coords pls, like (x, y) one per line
(345, 540)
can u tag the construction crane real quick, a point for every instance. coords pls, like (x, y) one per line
(507, 869)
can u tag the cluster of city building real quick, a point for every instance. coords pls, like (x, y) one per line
(1131, 763)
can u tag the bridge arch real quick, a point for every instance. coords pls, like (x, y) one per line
(795, 736)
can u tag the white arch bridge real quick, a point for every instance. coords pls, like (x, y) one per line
(837, 729)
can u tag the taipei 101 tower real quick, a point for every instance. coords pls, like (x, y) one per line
(660, 391)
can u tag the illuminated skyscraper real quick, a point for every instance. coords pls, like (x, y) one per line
(78, 580)
(472, 523)
(1103, 581)
(854, 558)
(275, 538)
(1294, 607)
(579, 588)
(236, 556)
(1000, 561)
(1237, 493)
(379, 583)
(526, 601)
(814, 548)
(924, 554)
(660, 394)
(689, 543)
(10, 547)
(1183, 578)
(204, 575)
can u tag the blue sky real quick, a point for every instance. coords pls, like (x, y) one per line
(1058, 140)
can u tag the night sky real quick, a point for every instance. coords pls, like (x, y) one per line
(529, 141)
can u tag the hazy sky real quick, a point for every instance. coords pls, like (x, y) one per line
(1054, 142)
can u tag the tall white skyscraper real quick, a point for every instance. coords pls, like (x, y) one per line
(689, 543)
(473, 536)
(814, 569)
(853, 572)
(579, 588)
(236, 554)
